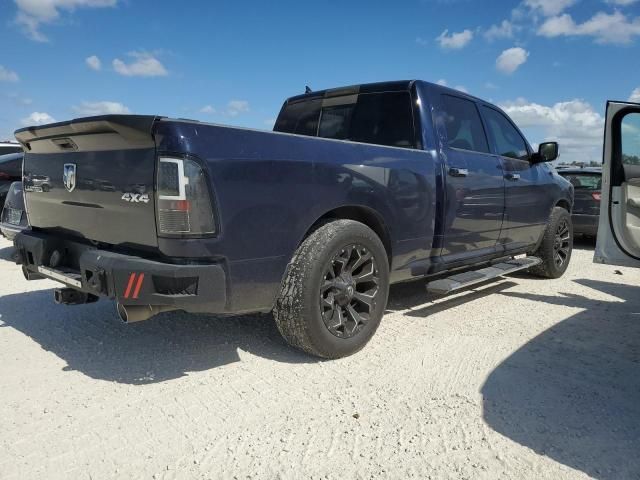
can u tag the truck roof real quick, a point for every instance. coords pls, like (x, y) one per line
(390, 86)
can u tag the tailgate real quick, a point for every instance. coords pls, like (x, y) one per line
(92, 178)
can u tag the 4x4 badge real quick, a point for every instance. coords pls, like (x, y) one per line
(69, 176)
(136, 197)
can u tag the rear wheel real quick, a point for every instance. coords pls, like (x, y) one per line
(335, 290)
(556, 246)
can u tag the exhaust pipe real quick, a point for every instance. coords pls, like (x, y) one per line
(71, 296)
(138, 313)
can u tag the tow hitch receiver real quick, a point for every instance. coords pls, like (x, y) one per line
(70, 296)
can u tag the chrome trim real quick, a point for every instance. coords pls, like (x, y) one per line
(59, 276)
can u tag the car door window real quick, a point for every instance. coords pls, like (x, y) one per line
(507, 140)
(630, 139)
(463, 124)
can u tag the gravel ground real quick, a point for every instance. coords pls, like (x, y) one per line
(523, 378)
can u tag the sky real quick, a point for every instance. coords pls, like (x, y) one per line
(551, 64)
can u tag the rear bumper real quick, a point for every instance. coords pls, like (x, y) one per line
(10, 231)
(585, 224)
(129, 279)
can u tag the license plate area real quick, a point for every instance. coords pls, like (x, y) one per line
(13, 216)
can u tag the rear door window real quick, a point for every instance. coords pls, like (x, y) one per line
(463, 124)
(507, 140)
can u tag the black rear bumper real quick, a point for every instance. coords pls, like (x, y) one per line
(585, 224)
(129, 279)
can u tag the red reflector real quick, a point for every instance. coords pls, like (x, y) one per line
(138, 285)
(183, 205)
(596, 196)
(132, 277)
(4, 176)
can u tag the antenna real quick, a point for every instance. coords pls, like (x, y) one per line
(307, 89)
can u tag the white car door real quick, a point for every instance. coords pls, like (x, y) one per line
(619, 225)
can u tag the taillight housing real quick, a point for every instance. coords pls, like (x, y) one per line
(184, 205)
(596, 196)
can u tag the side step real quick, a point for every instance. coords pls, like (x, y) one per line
(464, 280)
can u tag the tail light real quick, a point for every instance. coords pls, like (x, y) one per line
(596, 196)
(183, 201)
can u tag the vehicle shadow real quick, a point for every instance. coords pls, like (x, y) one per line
(8, 254)
(414, 296)
(584, 243)
(573, 392)
(92, 340)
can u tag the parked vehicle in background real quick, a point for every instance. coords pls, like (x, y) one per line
(13, 217)
(619, 228)
(409, 179)
(587, 184)
(10, 147)
(10, 171)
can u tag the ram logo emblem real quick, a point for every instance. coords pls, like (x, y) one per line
(69, 176)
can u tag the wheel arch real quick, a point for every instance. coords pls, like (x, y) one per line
(564, 203)
(359, 213)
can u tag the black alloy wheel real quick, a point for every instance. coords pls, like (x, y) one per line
(349, 291)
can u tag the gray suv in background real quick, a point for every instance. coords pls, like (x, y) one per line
(587, 184)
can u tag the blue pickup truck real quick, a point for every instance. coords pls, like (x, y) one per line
(356, 188)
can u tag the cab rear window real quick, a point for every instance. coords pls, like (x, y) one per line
(384, 118)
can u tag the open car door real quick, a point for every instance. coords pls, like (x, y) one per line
(619, 226)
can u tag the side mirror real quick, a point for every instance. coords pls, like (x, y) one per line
(547, 152)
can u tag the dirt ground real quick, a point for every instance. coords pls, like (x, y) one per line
(520, 379)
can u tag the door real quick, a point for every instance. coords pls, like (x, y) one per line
(527, 202)
(474, 193)
(619, 226)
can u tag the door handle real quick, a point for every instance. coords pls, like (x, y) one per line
(458, 172)
(512, 176)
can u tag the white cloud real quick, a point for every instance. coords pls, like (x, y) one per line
(422, 42)
(635, 96)
(144, 65)
(622, 3)
(100, 108)
(454, 40)
(504, 30)
(19, 99)
(208, 109)
(549, 7)
(93, 62)
(442, 82)
(574, 124)
(235, 107)
(603, 27)
(32, 13)
(511, 59)
(37, 118)
(7, 75)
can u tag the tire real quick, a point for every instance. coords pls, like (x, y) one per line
(556, 246)
(322, 308)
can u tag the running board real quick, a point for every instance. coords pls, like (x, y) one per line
(464, 280)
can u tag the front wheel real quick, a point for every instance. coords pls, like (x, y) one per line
(335, 290)
(556, 246)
